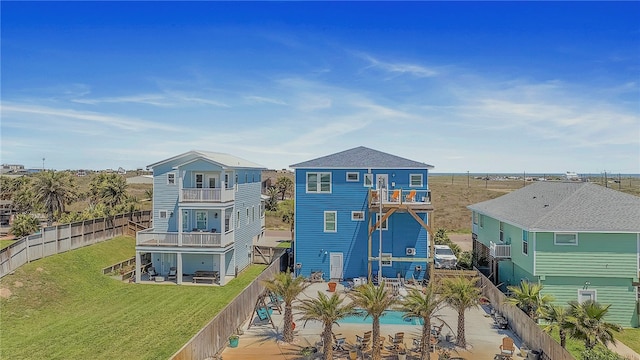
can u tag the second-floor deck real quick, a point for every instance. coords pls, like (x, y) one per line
(417, 199)
(150, 237)
(207, 195)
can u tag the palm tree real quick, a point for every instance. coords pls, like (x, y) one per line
(287, 211)
(113, 190)
(462, 294)
(529, 298)
(557, 318)
(328, 310)
(288, 287)
(374, 301)
(587, 323)
(53, 190)
(284, 186)
(422, 305)
(24, 224)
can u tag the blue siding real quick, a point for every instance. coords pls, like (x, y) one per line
(351, 237)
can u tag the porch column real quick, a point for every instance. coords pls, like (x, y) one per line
(138, 267)
(180, 226)
(179, 267)
(221, 267)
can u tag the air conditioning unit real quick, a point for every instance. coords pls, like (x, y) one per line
(411, 251)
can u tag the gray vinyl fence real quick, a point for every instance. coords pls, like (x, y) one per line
(214, 336)
(60, 238)
(521, 324)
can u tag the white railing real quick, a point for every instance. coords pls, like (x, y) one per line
(207, 195)
(401, 196)
(189, 239)
(499, 250)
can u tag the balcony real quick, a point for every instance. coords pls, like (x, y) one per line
(499, 251)
(210, 195)
(189, 239)
(412, 197)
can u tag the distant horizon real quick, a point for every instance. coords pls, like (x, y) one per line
(458, 85)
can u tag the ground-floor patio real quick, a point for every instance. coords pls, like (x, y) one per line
(262, 341)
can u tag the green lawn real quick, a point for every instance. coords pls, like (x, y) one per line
(631, 338)
(5, 243)
(62, 307)
(284, 244)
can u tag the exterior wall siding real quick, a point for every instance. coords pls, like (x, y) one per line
(314, 245)
(165, 197)
(247, 197)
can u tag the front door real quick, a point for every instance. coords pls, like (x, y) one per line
(335, 264)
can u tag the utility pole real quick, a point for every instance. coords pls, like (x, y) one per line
(467, 178)
(524, 179)
(606, 182)
(486, 182)
(619, 182)
(451, 178)
(43, 163)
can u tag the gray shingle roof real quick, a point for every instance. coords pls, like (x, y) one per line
(362, 158)
(223, 159)
(566, 206)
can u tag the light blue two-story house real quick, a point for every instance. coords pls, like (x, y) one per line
(207, 211)
(339, 200)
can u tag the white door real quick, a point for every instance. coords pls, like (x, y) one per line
(382, 183)
(335, 265)
(168, 261)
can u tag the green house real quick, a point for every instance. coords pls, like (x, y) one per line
(580, 240)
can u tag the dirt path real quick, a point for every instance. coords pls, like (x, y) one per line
(463, 240)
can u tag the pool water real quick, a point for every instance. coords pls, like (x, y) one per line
(390, 317)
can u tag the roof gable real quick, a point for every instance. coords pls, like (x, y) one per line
(566, 206)
(224, 160)
(363, 158)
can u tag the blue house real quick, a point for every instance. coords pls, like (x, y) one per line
(207, 211)
(349, 203)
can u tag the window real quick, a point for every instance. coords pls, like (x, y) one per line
(185, 220)
(201, 220)
(199, 181)
(501, 232)
(475, 218)
(566, 239)
(247, 216)
(253, 213)
(481, 220)
(386, 259)
(318, 182)
(525, 242)
(212, 183)
(226, 181)
(236, 183)
(586, 295)
(357, 215)
(368, 180)
(353, 176)
(162, 214)
(330, 221)
(415, 180)
(171, 179)
(384, 223)
(238, 220)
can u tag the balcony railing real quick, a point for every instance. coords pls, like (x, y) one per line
(400, 196)
(207, 195)
(189, 239)
(499, 251)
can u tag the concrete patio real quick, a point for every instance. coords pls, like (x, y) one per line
(261, 341)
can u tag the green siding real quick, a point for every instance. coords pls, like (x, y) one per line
(511, 274)
(601, 255)
(617, 292)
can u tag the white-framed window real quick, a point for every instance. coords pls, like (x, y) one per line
(415, 180)
(247, 216)
(387, 260)
(586, 295)
(226, 181)
(171, 179)
(185, 220)
(201, 220)
(385, 225)
(525, 242)
(162, 214)
(330, 221)
(565, 239)
(368, 180)
(319, 182)
(236, 183)
(357, 215)
(353, 176)
(475, 217)
(199, 181)
(501, 231)
(253, 213)
(238, 220)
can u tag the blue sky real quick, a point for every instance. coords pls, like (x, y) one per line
(480, 87)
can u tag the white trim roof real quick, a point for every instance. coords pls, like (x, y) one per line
(223, 159)
(565, 206)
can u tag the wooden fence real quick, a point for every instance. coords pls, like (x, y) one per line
(57, 239)
(214, 336)
(528, 330)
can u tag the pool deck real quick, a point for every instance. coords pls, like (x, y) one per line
(263, 342)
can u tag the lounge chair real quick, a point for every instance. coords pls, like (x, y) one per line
(396, 340)
(173, 272)
(152, 273)
(437, 330)
(411, 197)
(507, 347)
(395, 197)
(366, 337)
(339, 342)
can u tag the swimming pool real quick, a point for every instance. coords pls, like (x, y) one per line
(390, 317)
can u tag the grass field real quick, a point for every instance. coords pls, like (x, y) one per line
(62, 307)
(631, 338)
(5, 243)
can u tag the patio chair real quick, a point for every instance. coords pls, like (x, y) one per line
(339, 342)
(395, 196)
(411, 197)
(152, 273)
(173, 272)
(396, 340)
(263, 313)
(437, 330)
(366, 337)
(507, 347)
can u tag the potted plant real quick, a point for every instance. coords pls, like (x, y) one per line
(233, 340)
(332, 286)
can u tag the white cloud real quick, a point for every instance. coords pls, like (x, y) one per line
(400, 68)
